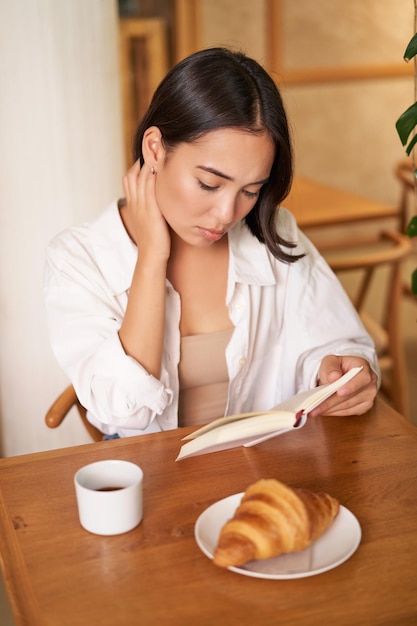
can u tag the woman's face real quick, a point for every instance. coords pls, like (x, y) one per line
(206, 187)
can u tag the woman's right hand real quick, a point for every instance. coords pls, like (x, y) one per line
(142, 216)
(143, 327)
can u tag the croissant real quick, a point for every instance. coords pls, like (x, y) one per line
(273, 519)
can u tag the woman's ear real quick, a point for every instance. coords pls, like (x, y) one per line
(152, 149)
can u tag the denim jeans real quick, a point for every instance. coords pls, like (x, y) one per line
(108, 437)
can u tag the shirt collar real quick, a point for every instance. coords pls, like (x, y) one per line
(116, 254)
(249, 260)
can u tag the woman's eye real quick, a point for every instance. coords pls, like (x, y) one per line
(206, 187)
(250, 194)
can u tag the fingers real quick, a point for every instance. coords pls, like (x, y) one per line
(131, 181)
(149, 187)
(356, 404)
(355, 397)
(330, 369)
(126, 180)
(139, 187)
(142, 215)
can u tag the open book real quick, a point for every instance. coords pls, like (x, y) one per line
(249, 429)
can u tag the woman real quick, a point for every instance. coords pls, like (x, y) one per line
(196, 295)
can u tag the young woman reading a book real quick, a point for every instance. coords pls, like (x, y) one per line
(196, 295)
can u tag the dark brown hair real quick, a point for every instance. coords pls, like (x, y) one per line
(218, 88)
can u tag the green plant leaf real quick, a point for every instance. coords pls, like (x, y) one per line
(406, 123)
(411, 50)
(411, 144)
(414, 282)
(412, 227)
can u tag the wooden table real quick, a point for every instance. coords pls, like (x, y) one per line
(57, 574)
(315, 204)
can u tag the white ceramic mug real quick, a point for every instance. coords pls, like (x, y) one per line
(109, 496)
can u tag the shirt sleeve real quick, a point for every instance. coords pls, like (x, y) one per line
(329, 323)
(84, 318)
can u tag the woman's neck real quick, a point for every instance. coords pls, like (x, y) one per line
(199, 275)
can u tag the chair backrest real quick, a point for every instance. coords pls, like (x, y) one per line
(62, 406)
(404, 172)
(388, 250)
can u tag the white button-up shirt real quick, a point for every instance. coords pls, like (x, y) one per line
(287, 317)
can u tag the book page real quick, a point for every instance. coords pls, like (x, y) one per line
(304, 401)
(249, 429)
(246, 433)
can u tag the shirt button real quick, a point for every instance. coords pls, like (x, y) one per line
(242, 361)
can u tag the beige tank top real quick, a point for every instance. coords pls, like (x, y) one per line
(203, 376)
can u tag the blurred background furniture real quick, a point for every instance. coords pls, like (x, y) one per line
(404, 172)
(61, 408)
(378, 304)
(315, 205)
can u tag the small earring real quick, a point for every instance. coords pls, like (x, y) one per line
(152, 170)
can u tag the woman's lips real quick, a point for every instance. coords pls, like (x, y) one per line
(211, 235)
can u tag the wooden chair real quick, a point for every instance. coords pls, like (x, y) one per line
(61, 407)
(404, 172)
(365, 260)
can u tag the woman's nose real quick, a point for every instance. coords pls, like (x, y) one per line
(225, 209)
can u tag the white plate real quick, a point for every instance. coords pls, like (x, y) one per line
(334, 547)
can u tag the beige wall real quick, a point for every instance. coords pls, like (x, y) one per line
(344, 131)
(234, 23)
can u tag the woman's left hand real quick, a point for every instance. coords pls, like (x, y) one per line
(356, 396)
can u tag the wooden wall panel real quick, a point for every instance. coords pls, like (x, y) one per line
(305, 41)
(144, 62)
